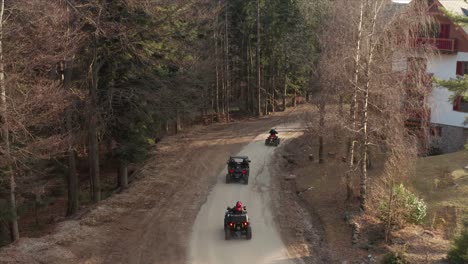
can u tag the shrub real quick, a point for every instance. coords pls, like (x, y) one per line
(405, 207)
(459, 252)
(394, 258)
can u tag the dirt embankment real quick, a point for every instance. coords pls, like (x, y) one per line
(317, 192)
(152, 220)
(301, 228)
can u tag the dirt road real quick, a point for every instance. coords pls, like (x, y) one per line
(152, 221)
(207, 243)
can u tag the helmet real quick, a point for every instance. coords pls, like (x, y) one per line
(239, 206)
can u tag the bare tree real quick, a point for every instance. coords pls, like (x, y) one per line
(6, 135)
(375, 10)
(67, 68)
(215, 32)
(259, 76)
(354, 105)
(370, 83)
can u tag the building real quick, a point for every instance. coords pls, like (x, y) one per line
(448, 130)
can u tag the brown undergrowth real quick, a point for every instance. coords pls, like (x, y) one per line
(348, 234)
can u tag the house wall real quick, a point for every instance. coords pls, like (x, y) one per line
(444, 67)
(452, 139)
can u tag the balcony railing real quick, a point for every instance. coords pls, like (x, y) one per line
(442, 44)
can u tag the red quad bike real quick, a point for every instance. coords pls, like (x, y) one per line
(238, 169)
(272, 140)
(237, 225)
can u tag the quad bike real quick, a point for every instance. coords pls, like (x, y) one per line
(272, 140)
(238, 169)
(237, 225)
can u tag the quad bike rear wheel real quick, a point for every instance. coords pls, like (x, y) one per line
(246, 180)
(227, 234)
(249, 233)
(228, 178)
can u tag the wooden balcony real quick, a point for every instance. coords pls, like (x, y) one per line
(442, 44)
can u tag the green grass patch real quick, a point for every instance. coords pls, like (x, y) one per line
(443, 183)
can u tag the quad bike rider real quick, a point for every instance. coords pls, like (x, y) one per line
(237, 209)
(236, 222)
(273, 132)
(273, 139)
(231, 163)
(238, 170)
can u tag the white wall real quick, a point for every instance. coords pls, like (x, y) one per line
(444, 67)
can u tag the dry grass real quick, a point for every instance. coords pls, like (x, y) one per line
(443, 182)
(323, 190)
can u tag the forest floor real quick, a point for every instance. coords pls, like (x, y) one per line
(151, 222)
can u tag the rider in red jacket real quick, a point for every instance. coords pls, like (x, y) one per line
(238, 209)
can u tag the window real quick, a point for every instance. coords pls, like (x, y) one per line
(465, 11)
(462, 67)
(436, 131)
(460, 104)
(444, 31)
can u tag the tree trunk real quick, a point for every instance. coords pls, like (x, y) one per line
(321, 131)
(285, 91)
(265, 84)
(248, 105)
(364, 147)
(254, 94)
(67, 72)
(273, 98)
(72, 206)
(294, 99)
(93, 144)
(223, 78)
(365, 117)
(217, 66)
(228, 83)
(166, 127)
(72, 182)
(14, 231)
(243, 71)
(388, 223)
(123, 175)
(178, 125)
(258, 61)
(354, 105)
